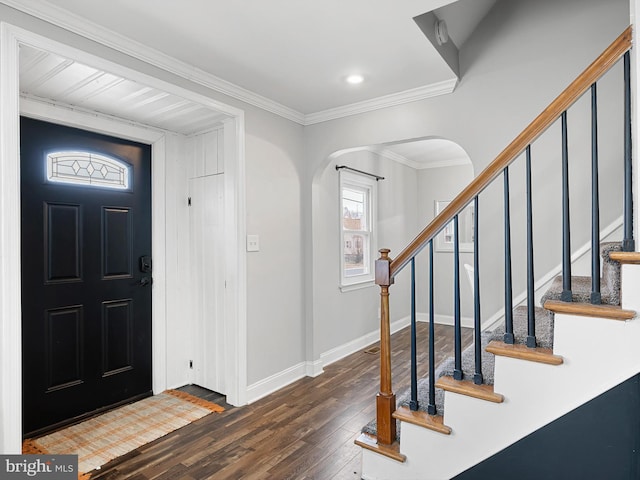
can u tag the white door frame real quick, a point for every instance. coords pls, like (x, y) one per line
(11, 37)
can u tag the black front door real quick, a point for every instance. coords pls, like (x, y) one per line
(86, 280)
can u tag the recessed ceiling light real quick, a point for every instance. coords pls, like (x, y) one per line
(355, 79)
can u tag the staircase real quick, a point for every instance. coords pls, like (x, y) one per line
(543, 362)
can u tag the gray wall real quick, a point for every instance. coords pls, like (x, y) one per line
(520, 58)
(274, 275)
(437, 184)
(351, 314)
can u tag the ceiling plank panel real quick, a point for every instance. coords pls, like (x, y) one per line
(47, 77)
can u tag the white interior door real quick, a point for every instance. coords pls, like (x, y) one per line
(207, 280)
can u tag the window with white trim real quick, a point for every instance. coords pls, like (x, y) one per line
(357, 229)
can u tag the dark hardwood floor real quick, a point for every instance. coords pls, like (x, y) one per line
(304, 431)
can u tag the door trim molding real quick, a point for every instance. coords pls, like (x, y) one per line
(10, 280)
(157, 140)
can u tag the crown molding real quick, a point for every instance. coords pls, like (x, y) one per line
(396, 157)
(451, 162)
(80, 26)
(55, 15)
(407, 96)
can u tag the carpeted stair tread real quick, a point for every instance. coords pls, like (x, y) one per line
(580, 291)
(581, 286)
(544, 327)
(468, 362)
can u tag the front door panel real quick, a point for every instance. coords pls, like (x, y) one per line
(86, 322)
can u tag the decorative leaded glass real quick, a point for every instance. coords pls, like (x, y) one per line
(85, 168)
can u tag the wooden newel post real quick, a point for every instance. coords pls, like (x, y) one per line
(386, 399)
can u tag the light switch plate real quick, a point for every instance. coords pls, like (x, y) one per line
(253, 243)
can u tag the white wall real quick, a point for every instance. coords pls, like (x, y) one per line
(521, 57)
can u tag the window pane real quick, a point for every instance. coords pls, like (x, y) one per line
(356, 253)
(84, 168)
(354, 208)
(357, 242)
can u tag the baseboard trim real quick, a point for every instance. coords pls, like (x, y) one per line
(338, 353)
(275, 382)
(314, 369)
(439, 319)
(279, 380)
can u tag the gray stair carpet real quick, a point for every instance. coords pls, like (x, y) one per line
(610, 287)
(581, 286)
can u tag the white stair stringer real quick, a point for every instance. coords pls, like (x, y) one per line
(598, 355)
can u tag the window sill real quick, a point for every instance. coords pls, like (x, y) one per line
(357, 286)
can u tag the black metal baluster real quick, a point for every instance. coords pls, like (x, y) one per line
(477, 324)
(628, 244)
(457, 327)
(531, 312)
(508, 294)
(596, 296)
(566, 295)
(413, 404)
(431, 406)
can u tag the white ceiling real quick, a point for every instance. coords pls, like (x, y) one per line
(289, 52)
(46, 77)
(295, 53)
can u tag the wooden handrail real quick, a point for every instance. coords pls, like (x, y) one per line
(549, 115)
(386, 269)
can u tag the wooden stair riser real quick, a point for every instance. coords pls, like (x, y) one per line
(470, 389)
(422, 419)
(541, 355)
(626, 258)
(391, 451)
(588, 310)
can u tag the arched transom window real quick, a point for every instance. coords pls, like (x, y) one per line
(86, 168)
